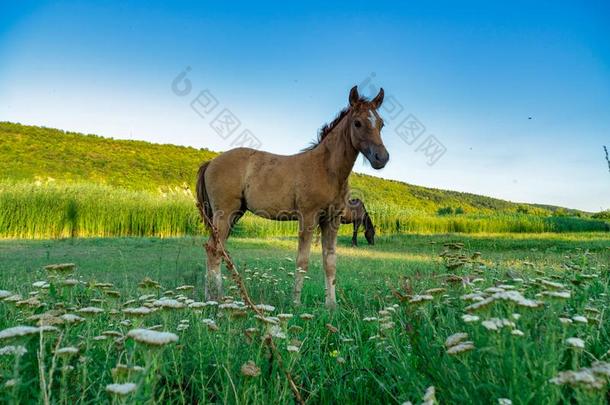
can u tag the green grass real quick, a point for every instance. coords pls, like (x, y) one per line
(204, 366)
(58, 210)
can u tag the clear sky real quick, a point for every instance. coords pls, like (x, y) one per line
(518, 94)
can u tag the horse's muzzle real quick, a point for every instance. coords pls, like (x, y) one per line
(377, 155)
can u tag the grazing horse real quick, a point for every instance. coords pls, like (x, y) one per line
(310, 187)
(355, 213)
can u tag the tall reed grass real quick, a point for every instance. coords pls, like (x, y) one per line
(40, 211)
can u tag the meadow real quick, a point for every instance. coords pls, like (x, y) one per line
(464, 319)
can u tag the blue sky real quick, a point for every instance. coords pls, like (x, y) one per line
(472, 75)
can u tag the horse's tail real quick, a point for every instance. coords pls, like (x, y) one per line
(203, 201)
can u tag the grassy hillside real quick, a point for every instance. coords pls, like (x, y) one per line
(59, 184)
(30, 153)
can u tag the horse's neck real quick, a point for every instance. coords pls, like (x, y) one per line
(340, 155)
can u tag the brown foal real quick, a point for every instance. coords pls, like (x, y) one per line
(310, 187)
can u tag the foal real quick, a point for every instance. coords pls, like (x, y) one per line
(355, 213)
(310, 187)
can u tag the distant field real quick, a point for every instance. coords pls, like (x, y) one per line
(390, 358)
(30, 153)
(51, 210)
(56, 184)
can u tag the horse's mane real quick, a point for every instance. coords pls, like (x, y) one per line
(327, 128)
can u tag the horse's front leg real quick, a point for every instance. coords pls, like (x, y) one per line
(305, 235)
(329, 257)
(355, 234)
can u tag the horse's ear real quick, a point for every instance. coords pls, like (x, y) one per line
(378, 99)
(354, 97)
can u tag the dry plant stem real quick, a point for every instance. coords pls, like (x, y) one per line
(41, 371)
(246, 297)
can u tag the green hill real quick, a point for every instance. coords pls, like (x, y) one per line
(55, 184)
(30, 153)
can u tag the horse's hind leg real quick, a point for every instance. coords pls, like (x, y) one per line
(213, 283)
(306, 229)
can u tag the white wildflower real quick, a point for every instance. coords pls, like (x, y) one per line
(121, 389)
(71, 318)
(40, 284)
(276, 332)
(513, 296)
(152, 337)
(232, 306)
(584, 377)
(478, 296)
(90, 310)
(13, 350)
(455, 339)
(576, 343)
(137, 311)
(429, 396)
(168, 303)
(265, 307)
(497, 323)
(18, 331)
(470, 318)
(557, 294)
(66, 351)
(416, 299)
(460, 348)
(387, 325)
(5, 294)
(552, 284)
(580, 319)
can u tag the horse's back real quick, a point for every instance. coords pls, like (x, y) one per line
(261, 180)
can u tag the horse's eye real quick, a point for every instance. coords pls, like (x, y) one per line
(357, 123)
